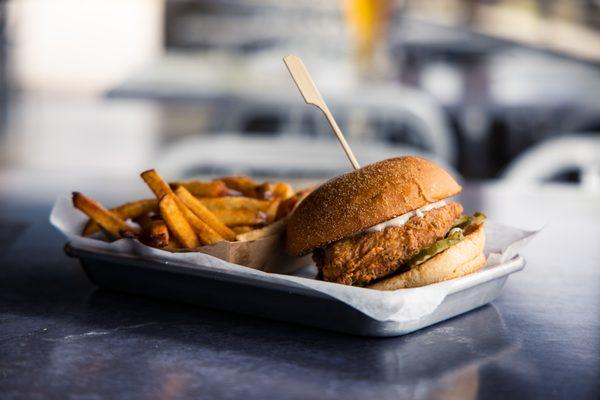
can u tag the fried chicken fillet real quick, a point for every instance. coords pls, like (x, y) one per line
(370, 255)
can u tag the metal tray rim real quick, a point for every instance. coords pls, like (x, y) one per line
(509, 267)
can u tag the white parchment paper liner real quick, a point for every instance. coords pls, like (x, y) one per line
(502, 244)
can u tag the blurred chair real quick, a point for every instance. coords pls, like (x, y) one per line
(254, 94)
(289, 157)
(559, 157)
(391, 114)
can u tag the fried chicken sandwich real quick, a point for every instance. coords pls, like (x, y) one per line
(387, 226)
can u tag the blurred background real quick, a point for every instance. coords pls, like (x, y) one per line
(93, 92)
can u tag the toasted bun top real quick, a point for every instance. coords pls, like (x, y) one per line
(366, 197)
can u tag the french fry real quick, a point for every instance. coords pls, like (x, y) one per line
(206, 234)
(242, 229)
(233, 218)
(131, 210)
(156, 183)
(155, 234)
(272, 210)
(273, 229)
(177, 223)
(188, 214)
(282, 190)
(204, 213)
(268, 191)
(289, 204)
(160, 188)
(173, 244)
(285, 207)
(137, 208)
(264, 191)
(145, 219)
(234, 203)
(203, 189)
(103, 217)
(242, 184)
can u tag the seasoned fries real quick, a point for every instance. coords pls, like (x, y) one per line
(288, 205)
(190, 214)
(155, 234)
(242, 229)
(241, 217)
(277, 190)
(249, 188)
(272, 210)
(145, 219)
(204, 213)
(177, 223)
(103, 217)
(234, 203)
(203, 189)
(282, 190)
(173, 244)
(159, 187)
(132, 210)
(206, 234)
(264, 191)
(156, 183)
(242, 184)
(269, 230)
(202, 230)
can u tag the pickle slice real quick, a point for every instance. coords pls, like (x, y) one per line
(464, 223)
(479, 217)
(453, 237)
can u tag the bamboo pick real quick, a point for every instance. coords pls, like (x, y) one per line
(311, 95)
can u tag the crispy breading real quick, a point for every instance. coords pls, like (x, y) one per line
(362, 258)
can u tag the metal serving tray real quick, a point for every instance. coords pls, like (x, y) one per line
(214, 289)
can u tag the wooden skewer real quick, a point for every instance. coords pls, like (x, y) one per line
(311, 95)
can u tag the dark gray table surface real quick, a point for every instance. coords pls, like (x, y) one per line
(60, 337)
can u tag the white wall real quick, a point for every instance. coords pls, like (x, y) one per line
(81, 46)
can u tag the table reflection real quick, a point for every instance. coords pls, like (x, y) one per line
(179, 340)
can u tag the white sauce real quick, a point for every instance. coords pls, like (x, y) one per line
(403, 219)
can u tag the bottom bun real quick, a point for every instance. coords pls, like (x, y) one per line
(461, 259)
